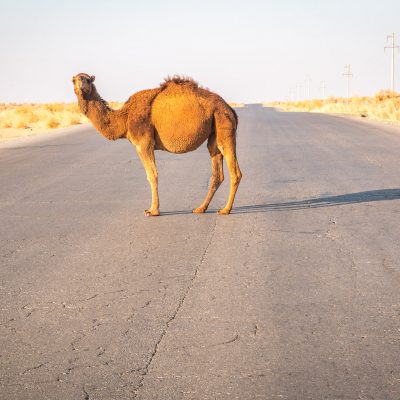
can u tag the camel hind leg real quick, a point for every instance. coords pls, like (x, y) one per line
(226, 143)
(235, 174)
(217, 173)
(146, 154)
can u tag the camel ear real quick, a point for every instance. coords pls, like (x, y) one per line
(92, 78)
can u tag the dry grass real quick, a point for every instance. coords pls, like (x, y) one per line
(384, 106)
(40, 116)
(237, 105)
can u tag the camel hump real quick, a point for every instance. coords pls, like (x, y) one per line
(179, 80)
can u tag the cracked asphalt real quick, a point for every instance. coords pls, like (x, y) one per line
(293, 296)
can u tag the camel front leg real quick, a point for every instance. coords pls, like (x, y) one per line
(146, 155)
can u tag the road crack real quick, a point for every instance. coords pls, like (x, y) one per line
(236, 337)
(145, 369)
(35, 367)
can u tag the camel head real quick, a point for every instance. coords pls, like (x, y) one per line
(83, 84)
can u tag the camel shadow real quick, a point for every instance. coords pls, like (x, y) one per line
(329, 201)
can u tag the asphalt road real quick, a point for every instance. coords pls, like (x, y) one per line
(296, 295)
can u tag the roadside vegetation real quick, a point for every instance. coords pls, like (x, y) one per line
(42, 116)
(384, 106)
(237, 105)
(25, 116)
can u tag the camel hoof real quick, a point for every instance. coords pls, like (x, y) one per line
(224, 211)
(199, 210)
(151, 213)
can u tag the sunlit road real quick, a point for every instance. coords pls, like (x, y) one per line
(296, 295)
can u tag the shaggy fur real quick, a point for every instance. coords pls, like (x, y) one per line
(178, 117)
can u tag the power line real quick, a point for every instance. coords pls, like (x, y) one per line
(298, 91)
(392, 46)
(348, 74)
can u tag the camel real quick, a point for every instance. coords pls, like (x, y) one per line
(177, 117)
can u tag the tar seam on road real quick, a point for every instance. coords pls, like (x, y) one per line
(171, 319)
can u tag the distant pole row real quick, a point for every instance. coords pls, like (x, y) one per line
(392, 46)
(347, 74)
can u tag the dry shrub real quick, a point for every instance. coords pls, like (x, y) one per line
(115, 105)
(24, 109)
(21, 124)
(44, 116)
(385, 105)
(54, 107)
(75, 121)
(52, 123)
(385, 95)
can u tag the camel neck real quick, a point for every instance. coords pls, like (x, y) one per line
(110, 123)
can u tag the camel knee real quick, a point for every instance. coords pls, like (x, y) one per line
(236, 178)
(217, 179)
(215, 184)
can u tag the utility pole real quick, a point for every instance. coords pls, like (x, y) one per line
(323, 88)
(392, 46)
(308, 86)
(298, 88)
(348, 74)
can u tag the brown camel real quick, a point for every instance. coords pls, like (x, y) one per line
(177, 117)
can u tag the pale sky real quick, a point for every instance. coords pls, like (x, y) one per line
(248, 51)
